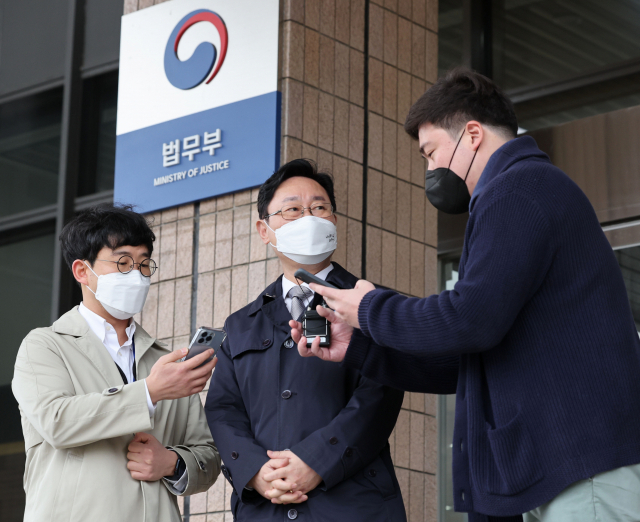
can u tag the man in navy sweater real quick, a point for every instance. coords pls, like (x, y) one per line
(536, 339)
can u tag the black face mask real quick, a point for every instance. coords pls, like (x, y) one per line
(446, 190)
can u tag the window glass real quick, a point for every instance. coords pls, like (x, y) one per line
(446, 417)
(581, 102)
(101, 32)
(12, 497)
(32, 42)
(629, 261)
(26, 274)
(449, 35)
(98, 151)
(540, 41)
(29, 152)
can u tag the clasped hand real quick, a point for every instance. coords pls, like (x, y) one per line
(285, 478)
(148, 459)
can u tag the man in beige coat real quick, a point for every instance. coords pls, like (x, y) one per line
(113, 424)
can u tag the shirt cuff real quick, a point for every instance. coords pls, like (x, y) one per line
(177, 487)
(152, 408)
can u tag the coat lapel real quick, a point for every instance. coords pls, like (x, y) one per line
(144, 341)
(276, 311)
(271, 303)
(95, 351)
(72, 323)
(274, 308)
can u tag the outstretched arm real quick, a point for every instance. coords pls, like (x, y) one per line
(419, 372)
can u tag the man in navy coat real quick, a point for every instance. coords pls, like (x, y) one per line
(299, 439)
(536, 339)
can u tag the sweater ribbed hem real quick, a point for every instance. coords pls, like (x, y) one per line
(358, 350)
(570, 472)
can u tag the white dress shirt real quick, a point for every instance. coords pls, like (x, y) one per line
(123, 356)
(288, 285)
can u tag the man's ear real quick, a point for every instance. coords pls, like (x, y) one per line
(80, 272)
(263, 231)
(475, 132)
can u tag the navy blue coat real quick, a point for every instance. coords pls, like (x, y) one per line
(264, 396)
(537, 339)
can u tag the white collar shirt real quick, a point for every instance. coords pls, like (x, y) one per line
(123, 355)
(288, 285)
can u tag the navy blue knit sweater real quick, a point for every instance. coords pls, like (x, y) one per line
(536, 339)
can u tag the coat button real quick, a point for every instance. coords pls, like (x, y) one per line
(113, 390)
(289, 343)
(286, 394)
(266, 342)
(234, 455)
(349, 452)
(333, 441)
(292, 514)
(372, 472)
(202, 466)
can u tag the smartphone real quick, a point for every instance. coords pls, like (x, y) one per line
(206, 338)
(307, 277)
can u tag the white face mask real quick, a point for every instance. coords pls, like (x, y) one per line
(308, 240)
(122, 295)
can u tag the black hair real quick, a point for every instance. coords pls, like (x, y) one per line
(299, 167)
(104, 225)
(460, 96)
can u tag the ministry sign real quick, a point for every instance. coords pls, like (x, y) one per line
(198, 107)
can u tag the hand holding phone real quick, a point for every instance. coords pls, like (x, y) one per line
(169, 381)
(308, 278)
(313, 324)
(206, 339)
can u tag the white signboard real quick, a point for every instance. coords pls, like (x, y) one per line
(198, 107)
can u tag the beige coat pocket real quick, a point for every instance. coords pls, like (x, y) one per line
(67, 488)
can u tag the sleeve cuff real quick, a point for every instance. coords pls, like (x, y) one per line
(179, 486)
(251, 496)
(363, 310)
(244, 474)
(150, 405)
(358, 350)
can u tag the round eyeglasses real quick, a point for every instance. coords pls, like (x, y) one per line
(320, 209)
(125, 264)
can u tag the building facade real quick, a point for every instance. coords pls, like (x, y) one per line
(348, 73)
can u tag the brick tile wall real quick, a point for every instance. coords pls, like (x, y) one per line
(322, 81)
(401, 230)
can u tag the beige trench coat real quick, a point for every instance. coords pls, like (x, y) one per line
(78, 419)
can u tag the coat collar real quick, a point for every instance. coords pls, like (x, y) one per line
(72, 323)
(271, 303)
(517, 149)
(339, 276)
